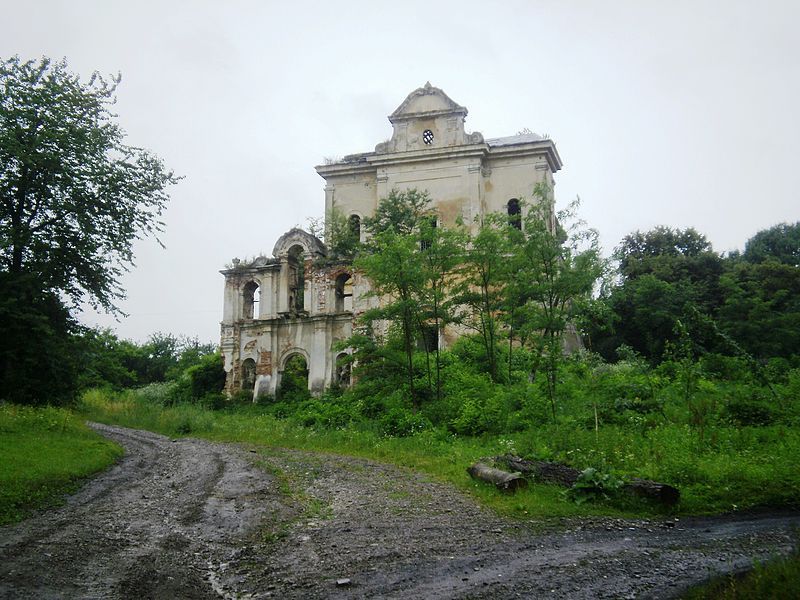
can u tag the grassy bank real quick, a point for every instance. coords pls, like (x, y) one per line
(778, 580)
(726, 469)
(44, 453)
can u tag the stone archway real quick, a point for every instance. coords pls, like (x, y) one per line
(293, 382)
(248, 370)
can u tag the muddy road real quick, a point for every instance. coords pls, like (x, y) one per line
(192, 519)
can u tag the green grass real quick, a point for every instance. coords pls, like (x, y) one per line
(777, 580)
(725, 469)
(44, 454)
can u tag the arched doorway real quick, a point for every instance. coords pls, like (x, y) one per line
(248, 374)
(294, 378)
(342, 375)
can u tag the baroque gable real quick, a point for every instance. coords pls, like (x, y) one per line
(427, 118)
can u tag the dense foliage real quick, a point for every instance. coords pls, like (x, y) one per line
(73, 199)
(694, 380)
(738, 305)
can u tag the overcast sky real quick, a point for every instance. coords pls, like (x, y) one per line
(675, 113)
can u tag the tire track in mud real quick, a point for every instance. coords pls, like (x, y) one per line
(395, 533)
(192, 519)
(159, 524)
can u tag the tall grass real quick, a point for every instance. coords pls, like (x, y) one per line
(725, 469)
(777, 580)
(44, 453)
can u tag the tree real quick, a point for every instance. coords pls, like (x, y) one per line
(665, 275)
(442, 251)
(762, 308)
(481, 291)
(73, 198)
(400, 212)
(394, 267)
(555, 267)
(640, 253)
(780, 243)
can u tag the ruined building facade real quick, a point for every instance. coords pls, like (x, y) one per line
(286, 305)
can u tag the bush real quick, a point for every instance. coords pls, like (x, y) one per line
(213, 401)
(593, 485)
(163, 394)
(317, 412)
(206, 377)
(401, 422)
(749, 412)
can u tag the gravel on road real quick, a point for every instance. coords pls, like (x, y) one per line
(189, 518)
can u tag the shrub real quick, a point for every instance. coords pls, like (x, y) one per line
(743, 411)
(318, 412)
(162, 394)
(593, 485)
(206, 377)
(482, 414)
(401, 422)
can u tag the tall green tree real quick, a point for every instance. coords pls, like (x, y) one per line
(400, 212)
(780, 243)
(393, 263)
(481, 290)
(442, 251)
(555, 266)
(665, 275)
(73, 198)
(761, 311)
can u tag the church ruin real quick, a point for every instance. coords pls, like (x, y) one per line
(286, 305)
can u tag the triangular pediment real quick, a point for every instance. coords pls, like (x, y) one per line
(426, 100)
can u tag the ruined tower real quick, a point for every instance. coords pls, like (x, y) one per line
(287, 305)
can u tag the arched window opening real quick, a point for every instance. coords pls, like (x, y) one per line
(354, 224)
(344, 292)
(297, 279)
(343, 369)
(294, 379)
(252, 297)
(428, 226)
(514, 214)
(248, 374)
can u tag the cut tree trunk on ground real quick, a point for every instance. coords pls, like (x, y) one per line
(652, 490)
(560, 474)
(508, 482)
(539, 470)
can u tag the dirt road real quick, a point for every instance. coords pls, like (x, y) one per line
(192, 519)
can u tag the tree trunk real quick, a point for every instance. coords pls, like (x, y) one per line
(508, 482)
(566, 476)
(660, 492)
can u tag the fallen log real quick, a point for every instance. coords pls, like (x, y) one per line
(502, 480)
(540, 470)
(566, 476)
(652, 490)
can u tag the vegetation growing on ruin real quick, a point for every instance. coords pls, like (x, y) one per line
(690, 372)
